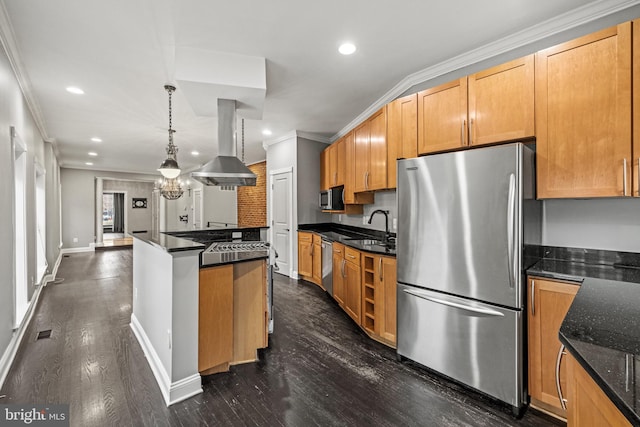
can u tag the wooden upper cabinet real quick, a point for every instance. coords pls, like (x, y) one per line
(370, 162)
(442, 117)
(501, 103)
(583, 116)
(402, 133)
(636, 108)
(324, 169)
(341, 161)
(548, 304)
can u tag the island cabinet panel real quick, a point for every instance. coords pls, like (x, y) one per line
(548, 304)
(215, 318)
(402, 133)
(587, 404)
(501, 103)
(442, 117)
(250, 323)
(583, 116)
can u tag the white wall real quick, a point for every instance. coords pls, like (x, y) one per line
(14, 112)
(78, 203)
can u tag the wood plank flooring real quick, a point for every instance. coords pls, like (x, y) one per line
(319, 370)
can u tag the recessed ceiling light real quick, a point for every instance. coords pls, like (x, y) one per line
(92, 153)
(195, 153)
(266, 132)
(347, 48)
(75, 90)
(95, 139)
(88, 163)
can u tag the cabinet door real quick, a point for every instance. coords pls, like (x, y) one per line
(548, 303)
(587, 405)
(305, 254)
(442, 117)
(402, 133)
(324, 169)
(333, 165)
(386, 301)
(341, 155)
(583, 116)
(338, 273)
(636, 108)
(501, 103)
(361, 157)
(352, 290)
(377, 178)
(215, 317)
(317, 264)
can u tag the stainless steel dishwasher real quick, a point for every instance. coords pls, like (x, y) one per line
(327, 266)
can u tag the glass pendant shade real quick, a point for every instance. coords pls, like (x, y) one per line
(169, 168)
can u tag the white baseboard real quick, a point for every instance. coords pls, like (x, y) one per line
(52, 276)
(294, 275)
(172, 392)
(77, 250)
(18, 334)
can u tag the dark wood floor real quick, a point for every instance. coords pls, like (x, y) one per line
(320, 369)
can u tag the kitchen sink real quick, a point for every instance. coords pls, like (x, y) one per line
(391, 245)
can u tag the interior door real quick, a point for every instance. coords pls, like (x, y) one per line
(281, 208)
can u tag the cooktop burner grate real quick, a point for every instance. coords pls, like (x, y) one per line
(237, 246)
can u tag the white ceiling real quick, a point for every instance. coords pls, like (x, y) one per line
(122, 53)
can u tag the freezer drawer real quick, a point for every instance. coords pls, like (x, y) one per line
(477, 344)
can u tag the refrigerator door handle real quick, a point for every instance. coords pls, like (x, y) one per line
(465, 307)
(511, 218)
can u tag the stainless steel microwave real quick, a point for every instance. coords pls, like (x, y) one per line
(332, 199)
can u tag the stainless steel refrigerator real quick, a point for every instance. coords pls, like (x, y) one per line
(465, 219)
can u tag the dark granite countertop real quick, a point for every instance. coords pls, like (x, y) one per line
(354, 237)
(602, 327)
(168, 243)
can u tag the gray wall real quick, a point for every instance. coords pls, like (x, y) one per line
(15, 112)
(385, 200)
(308, 182)
(612, 224)
(138, 219)
(78, 202)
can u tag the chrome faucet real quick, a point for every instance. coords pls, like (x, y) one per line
(386, 222)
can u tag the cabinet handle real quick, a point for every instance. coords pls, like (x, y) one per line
(380, 268)
(533, 297)
(366, 180)
(563, 401)
(351, 256)
(344, 272)
(470, 131)
(624, 177)
(638, 179)
(335, 178)
(463, 127)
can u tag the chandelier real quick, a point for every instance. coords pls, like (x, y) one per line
(169, 167)
(171, 188)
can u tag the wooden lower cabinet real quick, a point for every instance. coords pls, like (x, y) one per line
(316, 276)
(352, 284)
(587, 405)
(338, 273)
(548, 303)
(232, 315)
(305, 254)
(379, 297)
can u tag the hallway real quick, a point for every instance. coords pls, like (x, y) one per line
(320, 369)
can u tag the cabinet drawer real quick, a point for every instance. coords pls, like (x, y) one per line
(305, 237)
(352, 255)
(338, 249)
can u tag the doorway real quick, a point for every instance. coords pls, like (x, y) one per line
(114, 216)
(281, 207)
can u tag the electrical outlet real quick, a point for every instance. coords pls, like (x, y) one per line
(169, 336)
(395, 223)
(135, 292)
(75, 240)
(339, 218)
(364, 220)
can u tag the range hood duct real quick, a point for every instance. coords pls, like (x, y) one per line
(226, 169)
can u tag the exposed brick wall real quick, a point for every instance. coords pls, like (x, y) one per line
(252, 201)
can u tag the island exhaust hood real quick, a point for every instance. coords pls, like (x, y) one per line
(226, 169)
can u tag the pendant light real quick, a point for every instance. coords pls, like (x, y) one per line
(169, 167)
(171, 188)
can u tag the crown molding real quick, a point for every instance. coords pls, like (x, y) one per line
(567, 21)
(8, 41)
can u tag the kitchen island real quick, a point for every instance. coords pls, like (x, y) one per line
(600, 333)
(187, 314)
